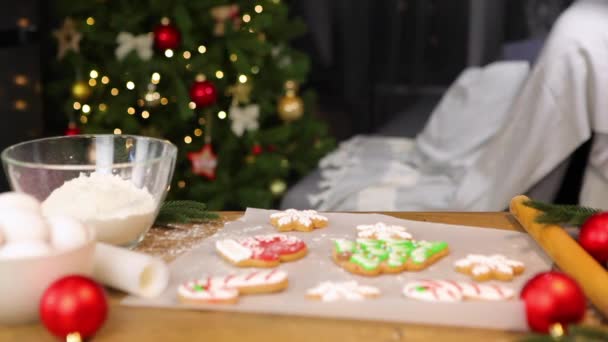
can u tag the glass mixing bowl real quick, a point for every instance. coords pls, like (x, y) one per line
(113, 183)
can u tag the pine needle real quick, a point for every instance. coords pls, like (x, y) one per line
(183, 212)
(562, 214)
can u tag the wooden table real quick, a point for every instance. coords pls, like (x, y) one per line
(139, 324)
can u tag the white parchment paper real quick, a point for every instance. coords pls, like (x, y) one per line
(391, 306)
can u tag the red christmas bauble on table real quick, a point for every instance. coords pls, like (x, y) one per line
(593, 237)
(550, 298)
(73, 304)
(167, 37)
(203, 93)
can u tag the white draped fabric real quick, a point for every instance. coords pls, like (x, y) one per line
(497, 131)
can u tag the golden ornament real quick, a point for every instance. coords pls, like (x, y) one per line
(68, 39)
(241, 92)
(290, 106)
(278, 187)
(81, 90)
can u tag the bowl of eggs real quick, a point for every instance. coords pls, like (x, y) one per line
(36, 250)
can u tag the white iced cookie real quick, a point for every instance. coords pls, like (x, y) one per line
(19, 201)
(348, 290)
(24, 249)
(66, 232)
(382, 231)
(23, 225)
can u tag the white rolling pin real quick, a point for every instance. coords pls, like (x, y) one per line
(132, 272)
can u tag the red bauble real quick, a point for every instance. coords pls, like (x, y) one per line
(73, 304)
(72, 129)
(593, 237)
(256, 150)
(552, 297)
(166, 37)
(203, 93)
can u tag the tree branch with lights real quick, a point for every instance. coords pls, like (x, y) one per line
(218, 79)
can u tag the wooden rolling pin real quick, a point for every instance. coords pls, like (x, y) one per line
(571, 258)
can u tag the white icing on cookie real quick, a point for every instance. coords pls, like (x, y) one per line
(454, 291)
(304, 217)
(482, 264)
(233, 250)
(199, 290)
(382, 231)
(255, 278)
(330, 291)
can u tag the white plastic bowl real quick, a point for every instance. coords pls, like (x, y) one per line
(24, 280)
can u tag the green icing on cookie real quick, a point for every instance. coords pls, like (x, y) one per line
(396, 260)
(344, 246)
(368, 263)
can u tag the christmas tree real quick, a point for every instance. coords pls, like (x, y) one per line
(218, 79)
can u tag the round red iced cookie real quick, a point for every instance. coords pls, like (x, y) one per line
(272, 247)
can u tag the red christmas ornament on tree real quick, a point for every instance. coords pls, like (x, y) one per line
(72, 129)
(593, 237)
(203, 93)
(550, 298)
(256, 150)
(73, 304)
(204, 162)
(167, 37)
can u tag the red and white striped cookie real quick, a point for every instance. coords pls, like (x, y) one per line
(226, 289)
(454, 291)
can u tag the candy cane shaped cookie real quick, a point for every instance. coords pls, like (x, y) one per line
(454, 291)
(199, 292)
(227, 289)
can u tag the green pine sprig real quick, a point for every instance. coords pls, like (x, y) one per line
(562, 214)
(579, 333)
(183, 212)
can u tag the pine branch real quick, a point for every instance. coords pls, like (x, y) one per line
(183, 212)
(562, 214)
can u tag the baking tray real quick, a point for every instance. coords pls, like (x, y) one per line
(391, 306)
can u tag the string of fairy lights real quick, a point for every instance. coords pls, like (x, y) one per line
(155, 78)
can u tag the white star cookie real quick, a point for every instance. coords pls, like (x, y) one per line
(349, 290)
(382, 231)
(300, 220)
(482, 267)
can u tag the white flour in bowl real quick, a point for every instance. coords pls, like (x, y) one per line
(118, 211)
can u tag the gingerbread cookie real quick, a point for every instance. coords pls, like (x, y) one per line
(382, 231)
(349, 290)
(455, 291)
(373, 257)
(262, 250)
(226, 289)
(300, 220)
(483, 268)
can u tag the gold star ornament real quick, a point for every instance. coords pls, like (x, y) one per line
(68, 39)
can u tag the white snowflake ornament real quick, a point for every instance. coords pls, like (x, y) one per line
(244, 118)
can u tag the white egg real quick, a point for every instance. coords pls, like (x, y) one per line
(22, 225)
(23, 249)
(19, 200)
(66, 232)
